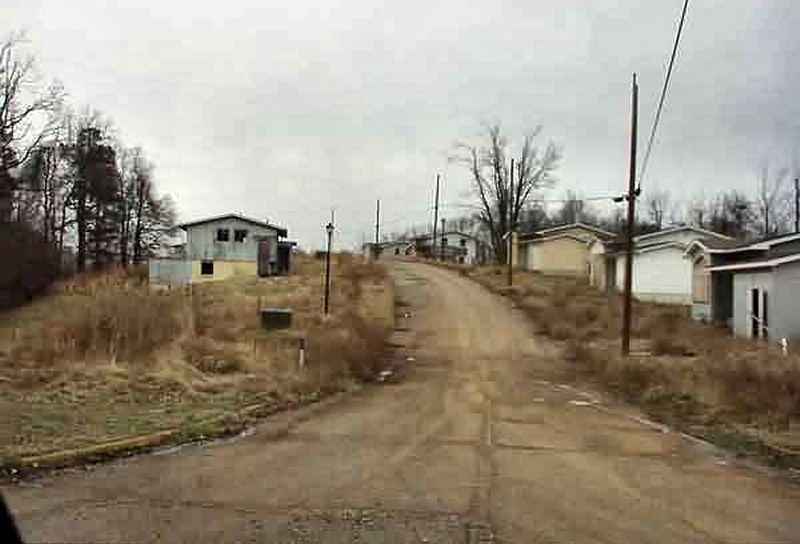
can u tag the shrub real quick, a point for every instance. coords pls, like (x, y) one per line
(28, 267)
(669, 345)
(211, 357)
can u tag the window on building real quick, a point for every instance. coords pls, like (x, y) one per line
(239, 235)
(207, 268)
(223, 235)
(444, 240)
(463, 242)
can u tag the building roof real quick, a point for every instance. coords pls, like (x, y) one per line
(711, 245)
(557, 236)
(561, 228)
(706, 234)
(750, 265)
(773, 239)
(281, 231)
(657, 247)
(768, 242)
(763, 244)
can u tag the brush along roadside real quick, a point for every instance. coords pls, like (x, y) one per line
(739, 394)
(106, 358)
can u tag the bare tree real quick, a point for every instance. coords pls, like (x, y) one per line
(696, 212)
(572, 210)
(658, 207)
(134, 176)
(534, 218)
(47, 179)
(27, 115)
(770, 201)
(501, 196)
(731, 214)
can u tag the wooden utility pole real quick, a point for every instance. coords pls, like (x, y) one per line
(626, 310)
(377, 222)
(511, 227)
(441, 248)
(796, 205)
(329, 229)
(435, 219)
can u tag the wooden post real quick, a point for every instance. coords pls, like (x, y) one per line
(626, 310)
(301, 355)
(435, 219)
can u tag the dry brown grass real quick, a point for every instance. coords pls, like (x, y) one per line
(108, 319)
(112, 338)
(691, 375)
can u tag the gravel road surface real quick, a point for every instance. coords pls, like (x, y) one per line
(478, 443)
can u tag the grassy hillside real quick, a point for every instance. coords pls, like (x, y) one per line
(108, 356)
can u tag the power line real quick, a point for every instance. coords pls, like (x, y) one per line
(576, 199)
(667, 77)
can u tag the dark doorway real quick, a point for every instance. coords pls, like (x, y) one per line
(754, 324)
(284, 257)
(264, 262)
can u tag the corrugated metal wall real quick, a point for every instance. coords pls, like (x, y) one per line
(170, 272)
(785, 312)
(202, 244)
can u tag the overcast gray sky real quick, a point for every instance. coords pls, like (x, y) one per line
(282, 110)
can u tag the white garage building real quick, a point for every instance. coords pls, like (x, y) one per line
(660, 271)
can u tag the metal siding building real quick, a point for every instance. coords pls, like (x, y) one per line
(756, 287)
(219, 248)
(660, 274)
(202, 243)
(785, 305)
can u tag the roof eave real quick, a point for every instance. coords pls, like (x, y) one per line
(757, 265)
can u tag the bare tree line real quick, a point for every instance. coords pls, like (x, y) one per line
(67, 180)
(509, 198)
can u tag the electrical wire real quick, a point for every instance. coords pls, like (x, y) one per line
(576, 199)
(667, 77)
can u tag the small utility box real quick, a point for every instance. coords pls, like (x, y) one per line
(276, 318)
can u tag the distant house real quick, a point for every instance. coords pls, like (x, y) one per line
(220, 247)
(562, 250)
(755, 287)
(459, 247)
(660, 271)
(452, 246)
(386, 250)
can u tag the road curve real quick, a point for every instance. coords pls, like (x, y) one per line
(479, 442)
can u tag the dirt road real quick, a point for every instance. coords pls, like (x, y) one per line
(479, 441)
